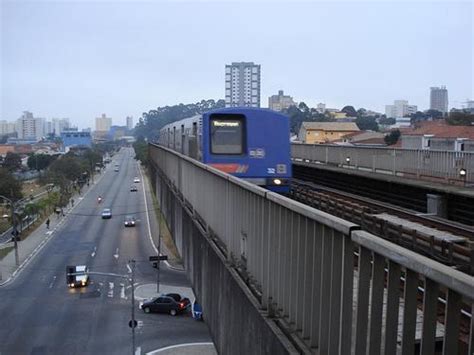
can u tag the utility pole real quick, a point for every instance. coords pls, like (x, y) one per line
(133, 305)
(133, 322)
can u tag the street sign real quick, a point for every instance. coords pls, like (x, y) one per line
(158, 258)
(132, 323)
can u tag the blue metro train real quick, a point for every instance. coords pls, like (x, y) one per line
(250, 143)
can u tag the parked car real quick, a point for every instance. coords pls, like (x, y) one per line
(133, 188)
(106, 213)
(129, 221)
(171, 303)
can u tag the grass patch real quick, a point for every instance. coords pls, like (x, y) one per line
(166, 237)
(5, 251)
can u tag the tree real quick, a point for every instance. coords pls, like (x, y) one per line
(387, 121)
(9, 186)
(12, 161)
(361, 112)
(417, 116)
(151, 122)
(141, 151)
(67, 168)
(434, 114)
(393, 137)
(457, 118)
(349, 111)
(40, 161)
(367, 123)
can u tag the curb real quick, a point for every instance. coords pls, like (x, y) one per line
(168, 265)
(41, 245)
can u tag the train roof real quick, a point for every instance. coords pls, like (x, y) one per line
(244, 110)
(235, 110)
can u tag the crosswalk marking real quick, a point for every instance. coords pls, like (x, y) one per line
(111, 290)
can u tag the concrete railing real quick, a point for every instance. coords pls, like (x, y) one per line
(323, 277)
(445, 166)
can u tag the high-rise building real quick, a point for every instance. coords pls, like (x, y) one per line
(400, 108)
(7, 127)
(242, 84)
(59, 125)
(439, 99)
(280, 102)
(129, 122)
(103, 123)
(321, 108)
(29, 127)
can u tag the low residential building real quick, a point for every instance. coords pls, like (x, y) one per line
(400, 108)
(280, 102)
(5, 148)
(364, 138)
(438, 135)
(325, 132)
(74, 138)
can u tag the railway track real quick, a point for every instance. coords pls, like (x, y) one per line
(445, 241)
(457, 252)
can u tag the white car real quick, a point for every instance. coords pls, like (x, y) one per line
(106, 213)
(136, 179)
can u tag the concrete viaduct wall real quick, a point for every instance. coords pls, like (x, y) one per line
(232, 312)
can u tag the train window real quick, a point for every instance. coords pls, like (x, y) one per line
(227, 134)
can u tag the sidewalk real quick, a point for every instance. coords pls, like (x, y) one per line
(16, 260)
(147, 291)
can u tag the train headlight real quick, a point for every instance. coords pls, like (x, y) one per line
(277, 181)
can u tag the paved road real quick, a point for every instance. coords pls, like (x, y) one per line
(40, 315)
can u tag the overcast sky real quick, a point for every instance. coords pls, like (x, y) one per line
(82, 59)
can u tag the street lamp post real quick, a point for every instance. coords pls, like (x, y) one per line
(463, 175)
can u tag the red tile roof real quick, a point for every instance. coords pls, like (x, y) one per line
(440, 129)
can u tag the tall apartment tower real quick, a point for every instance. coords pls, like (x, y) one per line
(242, 84)
(29, 127)
(439, 99)
(129, 122)
(103, 123)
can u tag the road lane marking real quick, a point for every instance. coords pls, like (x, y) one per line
(116, 255)
(122, 291)
(111, 290)
(52, 282)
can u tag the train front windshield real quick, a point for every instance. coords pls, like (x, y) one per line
(227, 134)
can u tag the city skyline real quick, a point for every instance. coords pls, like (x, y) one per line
(66, 61)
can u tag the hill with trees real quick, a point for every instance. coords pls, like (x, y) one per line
(152, 121)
